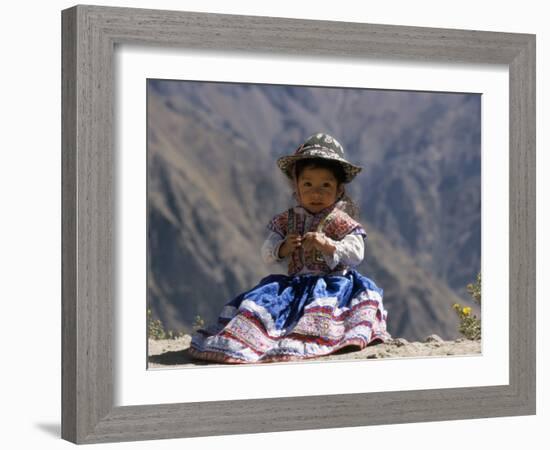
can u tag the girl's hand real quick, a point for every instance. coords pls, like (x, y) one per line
(291, 243)
(318, 241)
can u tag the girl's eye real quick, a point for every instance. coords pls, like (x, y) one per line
(307, 184)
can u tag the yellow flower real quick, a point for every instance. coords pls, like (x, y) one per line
(456, 306)
(466, 311)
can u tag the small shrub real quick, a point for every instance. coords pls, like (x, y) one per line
(156, 329)
(474, 289)
(470, 325)
(198, 323)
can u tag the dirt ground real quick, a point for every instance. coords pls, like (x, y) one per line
(172, 353)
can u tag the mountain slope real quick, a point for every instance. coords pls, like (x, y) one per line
(210, 194)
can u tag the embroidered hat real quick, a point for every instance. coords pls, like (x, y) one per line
(319, 145)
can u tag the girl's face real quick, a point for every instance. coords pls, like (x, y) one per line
(317, 189)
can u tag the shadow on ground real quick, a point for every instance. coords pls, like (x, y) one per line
(181, 357)
(176, 358)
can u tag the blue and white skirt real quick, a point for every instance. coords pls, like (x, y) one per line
(287, 318)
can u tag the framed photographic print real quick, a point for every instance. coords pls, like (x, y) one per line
(169, 151)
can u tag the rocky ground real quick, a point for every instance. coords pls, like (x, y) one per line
(172, 353)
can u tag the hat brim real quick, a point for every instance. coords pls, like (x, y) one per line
(286, 164)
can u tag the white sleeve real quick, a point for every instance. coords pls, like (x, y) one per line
(270, 251)
(349, 251)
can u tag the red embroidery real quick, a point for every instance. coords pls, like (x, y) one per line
(279, 224)
(321, 330)
(336, 226)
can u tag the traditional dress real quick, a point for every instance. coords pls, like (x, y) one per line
(320, 306)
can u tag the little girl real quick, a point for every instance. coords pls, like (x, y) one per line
(323, 304)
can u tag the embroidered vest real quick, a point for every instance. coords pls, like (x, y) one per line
(336, 224)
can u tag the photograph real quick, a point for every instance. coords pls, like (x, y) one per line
(291, 223)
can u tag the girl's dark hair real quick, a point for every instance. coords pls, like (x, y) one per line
(346, 203)
(334, 166)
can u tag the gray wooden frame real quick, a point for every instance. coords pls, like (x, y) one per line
(88, 43)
